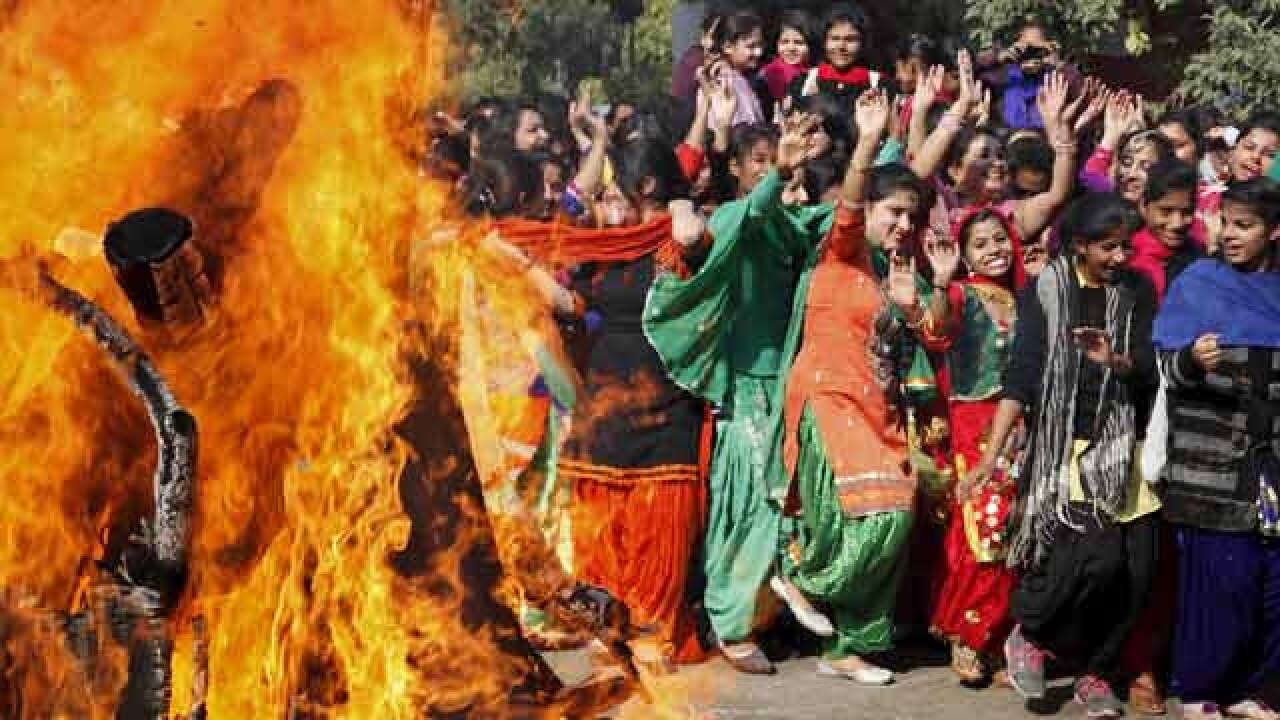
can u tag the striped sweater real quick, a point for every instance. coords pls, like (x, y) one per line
(1215, 419)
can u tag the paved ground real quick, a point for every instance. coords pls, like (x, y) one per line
(923, 692)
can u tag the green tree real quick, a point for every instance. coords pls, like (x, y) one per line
(505, 47)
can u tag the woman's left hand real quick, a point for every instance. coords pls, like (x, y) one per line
(902, 283)
(1096, 345)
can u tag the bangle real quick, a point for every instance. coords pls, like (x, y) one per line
(1066, 147)
(861, 169)
(949, 121)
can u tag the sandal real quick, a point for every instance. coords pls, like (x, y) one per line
(864, 674)
(1145, 697)
(967, 663)
(746, 657)
(1252, 710)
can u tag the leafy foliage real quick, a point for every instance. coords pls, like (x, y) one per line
(1240, 67)
(1228, 54)
(533, 46)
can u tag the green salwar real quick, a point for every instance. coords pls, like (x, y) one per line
(850, 565)
(741, 538)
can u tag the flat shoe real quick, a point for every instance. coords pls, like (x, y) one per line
(1252, 710)
(869, 675)
(805, 613)
(748, 658)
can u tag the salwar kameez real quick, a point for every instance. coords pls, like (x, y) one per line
(720, 334)
(851, 565)
(632, 457)
(743, 524)
(846, 447)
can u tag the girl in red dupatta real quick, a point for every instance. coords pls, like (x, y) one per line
(972, 324)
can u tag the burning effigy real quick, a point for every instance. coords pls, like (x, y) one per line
(238, 478)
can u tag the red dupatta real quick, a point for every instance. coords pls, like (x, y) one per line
(569, 244)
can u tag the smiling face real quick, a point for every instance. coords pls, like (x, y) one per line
(982, 172)
(744, 53)
(1246, 240)
(793, 48)
(1169, 217)
(753, 166)
(843, 43)
(1102, 259)
(988, 249)
(1133, 167)
(891, 221)
(1252, 154)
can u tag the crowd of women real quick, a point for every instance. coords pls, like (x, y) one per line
(876, 346)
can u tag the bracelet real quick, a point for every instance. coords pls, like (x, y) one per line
(949, 121)
(1066, 147)
(919, 321)
(861, 169)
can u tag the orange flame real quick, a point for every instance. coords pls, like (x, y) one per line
(281, 128)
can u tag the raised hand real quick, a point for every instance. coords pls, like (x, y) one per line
(943, 256)
(724, 98)
(1096, 96)
(1059, 117)
(871, 115)
(980, 115)
(1124, 114)
(901, 283)
(928, 88)
(687, 226)
(586, 125)
(793, 145)
(970, 92)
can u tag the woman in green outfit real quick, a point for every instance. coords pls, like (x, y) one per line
(720, 334)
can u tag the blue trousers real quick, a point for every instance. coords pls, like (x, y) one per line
(1227, 638)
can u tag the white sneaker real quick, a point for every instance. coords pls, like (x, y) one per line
(868, 674)
(816, 622)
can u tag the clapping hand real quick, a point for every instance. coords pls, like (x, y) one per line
(943, 255)
(871, 114)
(901, 283)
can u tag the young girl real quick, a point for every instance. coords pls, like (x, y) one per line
(794, 53)
(740, 40)
(1080, 365)
(1218, 334)
(846, 34)
(972, 323)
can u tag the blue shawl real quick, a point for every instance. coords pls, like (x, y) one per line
(1210, 296)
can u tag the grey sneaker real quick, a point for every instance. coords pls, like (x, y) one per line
(1026, 665)
(1097, 697)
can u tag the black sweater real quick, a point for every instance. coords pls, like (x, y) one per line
(1024, 376)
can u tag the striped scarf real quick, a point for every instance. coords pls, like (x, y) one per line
(1105, 466)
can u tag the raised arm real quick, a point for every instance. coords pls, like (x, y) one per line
(934, 151)
(1034, 214)
(871, 115)
(926, 95)
(594, 127)
(559, 298)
